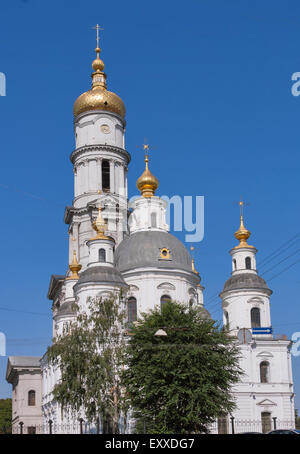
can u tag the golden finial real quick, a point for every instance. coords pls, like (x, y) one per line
(242, 234)
(99, 225)
(193, 261)
(147, 183)
(74, 267)
(98, 66)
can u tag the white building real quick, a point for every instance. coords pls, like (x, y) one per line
(134, 250)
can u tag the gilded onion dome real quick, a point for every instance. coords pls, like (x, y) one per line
(74, 267)
(100, 227)
(147, 183)
(242, 234)
(99, 98)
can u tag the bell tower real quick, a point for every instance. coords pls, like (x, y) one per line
(245, 296)
(100, 163)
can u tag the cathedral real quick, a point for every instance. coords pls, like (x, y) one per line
(114, 245)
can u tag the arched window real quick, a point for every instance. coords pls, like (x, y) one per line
(102, 255)
(105, 176)
(164, 299)
(131, 310)
(248, 263)
(226, 319)
(264, 368)
(234, 264)
(153, 220)
(31, 398)
(255, 317)
(191, 302)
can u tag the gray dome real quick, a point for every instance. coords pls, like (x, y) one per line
(101, 274)
(142, 249)
(246, 281)
(204, 313)
(66, 309)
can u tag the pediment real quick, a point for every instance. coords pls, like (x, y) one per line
(255, 300)
(166, 286)
(133, 288)
(266, 403)
(264, 355)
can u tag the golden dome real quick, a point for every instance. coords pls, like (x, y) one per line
(100, 227)
(242, 234)
(74, 267)
(147, 183)
(99, 98)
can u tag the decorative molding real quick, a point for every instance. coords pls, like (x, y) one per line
(255, 300)
(265, 355)
(166, 286)
(121, 152)
(266, 403)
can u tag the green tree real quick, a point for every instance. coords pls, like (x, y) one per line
(90, 355)
(180, 383)
(5, 416)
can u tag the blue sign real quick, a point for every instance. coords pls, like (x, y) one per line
(261, 330)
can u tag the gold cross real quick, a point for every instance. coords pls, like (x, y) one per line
(98, 28)
(242, 204)
(145, 147)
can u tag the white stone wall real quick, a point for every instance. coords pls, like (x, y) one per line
(148, 285)
(99, 128)
(238, 305)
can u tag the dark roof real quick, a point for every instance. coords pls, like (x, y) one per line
(21, 362)
(101, 274)
(246, 281)
(142, 249)
(66, 309)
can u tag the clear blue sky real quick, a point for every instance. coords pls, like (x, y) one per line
(207, 82)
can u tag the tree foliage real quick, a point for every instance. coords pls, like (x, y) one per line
(5, 416)
(180, 383)
(90, 355)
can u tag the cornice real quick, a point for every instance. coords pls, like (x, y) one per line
(100, 147)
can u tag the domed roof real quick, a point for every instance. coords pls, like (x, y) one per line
(98, 98)
(246, 281)
(204, 314)
(143, 249)
(66, 309)
(147, 183)
(101, 274)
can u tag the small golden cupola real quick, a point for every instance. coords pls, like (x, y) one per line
(99, 98)
(100, 227)
(147, 183)
(74, 267)
(242, 234)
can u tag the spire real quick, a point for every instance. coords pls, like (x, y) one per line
(99, 226)
(242, 234)
(193, 261)
(98, 76)
(147, 183)
(74, 267)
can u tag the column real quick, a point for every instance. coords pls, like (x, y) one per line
(99, 174)
(112, 175)
(121, 179)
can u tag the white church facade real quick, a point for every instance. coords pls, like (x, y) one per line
(133, 249)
